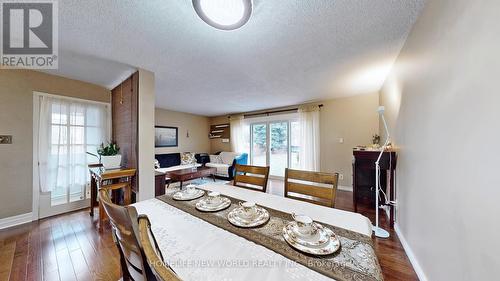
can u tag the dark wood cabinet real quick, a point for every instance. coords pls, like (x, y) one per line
(160, 183)
(364, 177)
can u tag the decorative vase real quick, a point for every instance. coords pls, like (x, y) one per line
(111, 162)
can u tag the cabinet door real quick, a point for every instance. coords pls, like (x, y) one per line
(160, 184)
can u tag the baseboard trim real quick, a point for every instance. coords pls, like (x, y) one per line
(344, 187)
(16, 220)
(411, 256)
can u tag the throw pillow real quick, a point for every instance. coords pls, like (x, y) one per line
(187, 158)
(216, 159)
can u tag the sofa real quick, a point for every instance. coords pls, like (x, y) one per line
(225, 163)
(172, 161)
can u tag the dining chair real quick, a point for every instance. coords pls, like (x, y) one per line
(313, 187)
(251, 177)
(123, 220)
(111, 188)
(160, 269)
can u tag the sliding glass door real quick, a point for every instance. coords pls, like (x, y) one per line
(259, 144)
(274, 144)
(278, 154)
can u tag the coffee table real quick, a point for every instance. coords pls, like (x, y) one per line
(190, 174)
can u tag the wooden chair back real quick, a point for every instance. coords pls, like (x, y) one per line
(160, 269)
(313, 187)
(251, 177)
(124, 222)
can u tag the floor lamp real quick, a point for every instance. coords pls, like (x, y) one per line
(380, 232)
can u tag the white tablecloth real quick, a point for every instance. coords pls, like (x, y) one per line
(198, 250)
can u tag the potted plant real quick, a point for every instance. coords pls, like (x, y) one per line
(109, 156)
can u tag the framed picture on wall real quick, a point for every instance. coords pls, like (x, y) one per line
(166, 136)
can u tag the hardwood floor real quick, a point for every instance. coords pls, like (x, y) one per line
(69, 247)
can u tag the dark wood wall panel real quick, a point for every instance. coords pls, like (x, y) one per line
(124, 100)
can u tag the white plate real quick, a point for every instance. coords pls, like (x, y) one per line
(318, 239)
(186, 196)
(237, 217)
(330, 247)
(204, 206)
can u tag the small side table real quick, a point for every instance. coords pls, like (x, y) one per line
(111, 180)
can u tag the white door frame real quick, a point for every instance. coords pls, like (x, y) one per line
(36, 183)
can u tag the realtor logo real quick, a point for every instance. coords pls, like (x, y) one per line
(29, 35)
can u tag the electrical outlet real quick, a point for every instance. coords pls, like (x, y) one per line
(5, 139)
(341, 176)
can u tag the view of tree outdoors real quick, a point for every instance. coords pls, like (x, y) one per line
(279, 147)
(259, 141)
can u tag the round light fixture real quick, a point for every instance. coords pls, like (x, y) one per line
(224, 14)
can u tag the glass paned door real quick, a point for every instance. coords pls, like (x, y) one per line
(259, 144)
(275, 143)
(65, 130)
(278, 154)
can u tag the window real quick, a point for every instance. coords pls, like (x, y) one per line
(259, 144)
(69, 129)
(278, 154)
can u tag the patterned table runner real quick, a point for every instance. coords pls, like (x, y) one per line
(355, 260)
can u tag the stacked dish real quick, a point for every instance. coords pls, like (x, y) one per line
(310, 237)
(248, 215)
(189, 193)
(213, 203)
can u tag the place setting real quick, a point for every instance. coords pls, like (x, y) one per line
(248, 215)
(310, 237)
(191, 192)
(214, 202)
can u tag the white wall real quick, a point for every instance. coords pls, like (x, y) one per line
(443, 104)
(146, 134)
(197, 126)
(355, 120)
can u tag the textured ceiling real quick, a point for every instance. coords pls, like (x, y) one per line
(289, 52)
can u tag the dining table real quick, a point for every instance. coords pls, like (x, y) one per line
(197, 249)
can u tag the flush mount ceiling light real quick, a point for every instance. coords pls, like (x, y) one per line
(224, 14)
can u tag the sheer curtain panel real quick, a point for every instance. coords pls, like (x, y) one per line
(237, 124)
(68, 129)
(309, 158)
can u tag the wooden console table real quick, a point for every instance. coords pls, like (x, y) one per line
(110, 179)
(363, 167)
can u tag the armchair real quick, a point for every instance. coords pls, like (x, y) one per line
(242, 159)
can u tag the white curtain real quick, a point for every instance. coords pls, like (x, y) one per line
(237, 133)
(68, 129)
(309, 156)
